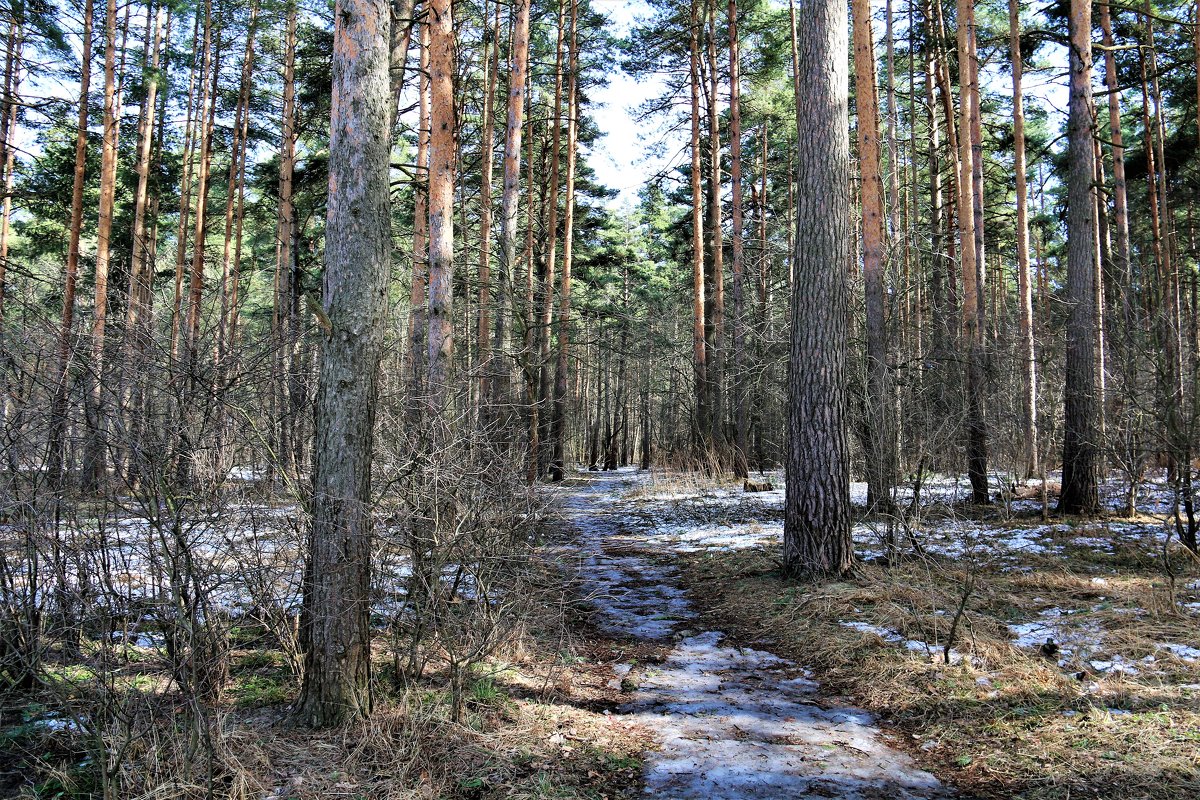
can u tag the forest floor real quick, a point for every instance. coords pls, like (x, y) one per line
(730, 721)
(976, 651)
(1009, 656)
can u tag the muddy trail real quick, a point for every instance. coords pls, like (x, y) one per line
(731, 722)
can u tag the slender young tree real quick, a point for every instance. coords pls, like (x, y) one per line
(1024, 282)
(336, 616)
(487, 150)
(816, 534)
(715, 265)
(699, 348)
(234, 189)
(95, 454)
(970, 234)
(1081, 446)
(8, 151)
(737, 253)
(558, 420)
(58, 410)
(1122, 262)
(441, 202)
(418, 323)
(139, 267)
(498, 370)
(207, 122)
(537, 351)
(880, 404)
(285, 235)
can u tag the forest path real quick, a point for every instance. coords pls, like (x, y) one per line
(732, 722)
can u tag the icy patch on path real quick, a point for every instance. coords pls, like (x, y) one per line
(733, 723)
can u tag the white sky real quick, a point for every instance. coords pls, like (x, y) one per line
(627, 154)
(622, 157)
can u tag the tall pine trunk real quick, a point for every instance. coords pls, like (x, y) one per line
(337, 631)
(702, 430)
(1028, 357)
(1081, 446)
(58, 411)
(95, 465)
(816, 535)
(558, 421)
(441, 204)
(880, 457)
(737, 253)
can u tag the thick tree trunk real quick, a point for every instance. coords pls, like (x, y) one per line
(337, 632)
(1081, 446)
(816, 537)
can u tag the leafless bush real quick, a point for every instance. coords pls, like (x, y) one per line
(460, 536)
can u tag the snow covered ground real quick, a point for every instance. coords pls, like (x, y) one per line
(732, 723)
(670, 515)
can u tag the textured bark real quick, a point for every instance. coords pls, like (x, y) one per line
(337, 674)
(740, 417)
(558, 420)
(1081, 444)
(880, 403)
(441, 203)
(58, 411)
(1028, 355)
(816, 537)
(699, 350)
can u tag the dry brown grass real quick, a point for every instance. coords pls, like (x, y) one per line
(1005, 721)
(535, 727)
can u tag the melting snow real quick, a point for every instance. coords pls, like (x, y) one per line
(733, 723)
